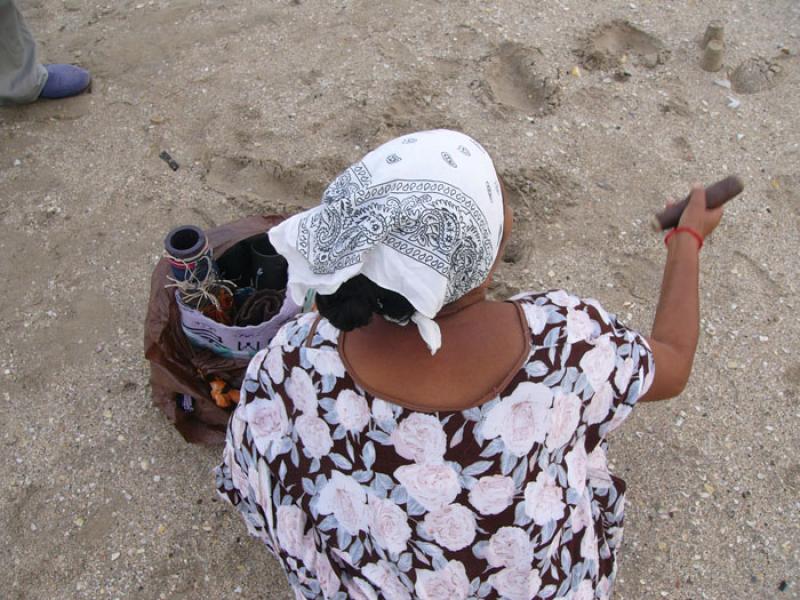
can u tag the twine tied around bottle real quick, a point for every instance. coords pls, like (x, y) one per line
(195, 292)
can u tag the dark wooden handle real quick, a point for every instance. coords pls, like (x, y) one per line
(717, 194)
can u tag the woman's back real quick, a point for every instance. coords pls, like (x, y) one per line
(362, 498)
(487, 344)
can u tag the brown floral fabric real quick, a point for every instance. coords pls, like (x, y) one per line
(361, 498)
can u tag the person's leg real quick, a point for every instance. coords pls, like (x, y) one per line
(21, 76)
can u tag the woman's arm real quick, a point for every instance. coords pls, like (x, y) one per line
(676, 326)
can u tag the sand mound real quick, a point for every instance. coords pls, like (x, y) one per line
(615, 43)
(756, 74)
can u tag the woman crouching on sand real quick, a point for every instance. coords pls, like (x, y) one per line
(450, 447)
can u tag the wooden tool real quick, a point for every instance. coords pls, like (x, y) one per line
(717, 194)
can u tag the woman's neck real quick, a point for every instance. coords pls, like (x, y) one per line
(483, 345)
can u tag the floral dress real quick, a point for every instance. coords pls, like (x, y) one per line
(361, 498)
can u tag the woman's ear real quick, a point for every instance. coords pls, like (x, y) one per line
(508, 220)
(508, 217)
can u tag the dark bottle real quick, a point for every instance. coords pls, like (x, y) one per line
(270, 269)
(188, 252)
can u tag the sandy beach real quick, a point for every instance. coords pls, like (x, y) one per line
(595, 113)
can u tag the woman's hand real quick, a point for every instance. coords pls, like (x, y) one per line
(677, 323)
(697, 216)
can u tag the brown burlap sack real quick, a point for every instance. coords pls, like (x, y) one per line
(177, 367)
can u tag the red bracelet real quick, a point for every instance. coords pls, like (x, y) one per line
(688, 230)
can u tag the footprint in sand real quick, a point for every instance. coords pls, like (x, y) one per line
(634, 274)
(414, 106)
(539, 192)
(513, 81)
(261, 181)
(245, 176)
(618, 42)
(757, 74)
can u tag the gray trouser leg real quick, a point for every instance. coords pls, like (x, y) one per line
(21, 75)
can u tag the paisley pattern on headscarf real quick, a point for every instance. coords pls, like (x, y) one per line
(421, 215)
(430, 222)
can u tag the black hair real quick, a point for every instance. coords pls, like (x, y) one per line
(353, 304)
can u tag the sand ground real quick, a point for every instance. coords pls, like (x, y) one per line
(262, 102)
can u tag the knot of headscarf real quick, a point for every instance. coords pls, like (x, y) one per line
(422, 215)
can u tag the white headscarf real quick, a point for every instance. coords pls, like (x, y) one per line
(422, 215)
